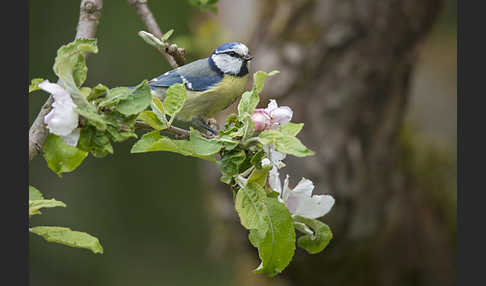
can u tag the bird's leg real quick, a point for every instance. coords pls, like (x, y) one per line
(198, 122)
(211, 122)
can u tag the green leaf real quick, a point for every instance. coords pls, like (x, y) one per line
(228, 143)
(259, 175)
(269, 136)
(285, 143)
(152, 120)
(167, 35)
(153, 141)
(120, 127)
(35, 194)
(158, 109)
(250, 206)
(98, 91)
(36, 205)
(291, 129)
(249, 99)
(61, 157)
(95, 142)
(293, 146)
(89, 112)
(175, 97)
(151, 39)
(66, 236)
(114, 96)
(277, 248)
(318, 240)
(137, 101)
(34, 84)
(230, 162)
(204, 146)
(70, 63)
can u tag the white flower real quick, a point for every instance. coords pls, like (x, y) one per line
(272, 117)
(63, 119)
(274, 156)
(300, 200)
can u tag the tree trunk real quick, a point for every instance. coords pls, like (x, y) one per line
(345, 71)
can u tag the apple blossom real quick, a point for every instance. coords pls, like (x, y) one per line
(272, 117)
(62, 120)
(300, 200)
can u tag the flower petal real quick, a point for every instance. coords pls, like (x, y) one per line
(261, 119)
(305, 186)
(72, 138)
(274, 156)
(55, 89)
(274, 180)
(286, 190)
(62, 119)
(281, 115)
(314, 207)
(271, 106)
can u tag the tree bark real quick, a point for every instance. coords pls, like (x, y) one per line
(345, 71)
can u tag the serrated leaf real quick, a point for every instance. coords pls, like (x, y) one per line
(269, 136)
(249, 99)
(285, 143)
(277, 248)
(230, 162)
(98, 91)
(137, 101)
(153, 141)
(34, 84)
(95, 142)
(259, 175)
(291, 129)
(250, 206)
(293, 146)
(120, 127)
(94, 119)
(175, 97)
(204, 146)
(35, 194)
(70, 63)
(36, 205)
(228, 143)
(318, 240)
(158, 109)
(61, 157)
(151, 119)
(66, 236)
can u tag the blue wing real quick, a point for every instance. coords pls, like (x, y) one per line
(198, 76)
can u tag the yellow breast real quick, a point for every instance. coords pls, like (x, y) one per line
(206, 104)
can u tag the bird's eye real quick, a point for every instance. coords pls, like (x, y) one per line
(232, 54)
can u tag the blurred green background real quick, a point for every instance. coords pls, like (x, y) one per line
(148, 210)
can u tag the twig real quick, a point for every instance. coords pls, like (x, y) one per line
(181, 133)
(175, 56)
(89, 16)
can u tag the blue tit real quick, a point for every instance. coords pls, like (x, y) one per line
(212, 83)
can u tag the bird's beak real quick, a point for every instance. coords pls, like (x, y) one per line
(247, 57)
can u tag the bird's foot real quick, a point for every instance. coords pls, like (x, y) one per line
(206, 126)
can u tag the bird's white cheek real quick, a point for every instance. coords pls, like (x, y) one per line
(227, 64)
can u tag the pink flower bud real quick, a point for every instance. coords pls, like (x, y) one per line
(261, 119)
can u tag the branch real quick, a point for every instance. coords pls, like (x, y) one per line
(89, 16)
(175, 56)
(179, 132)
